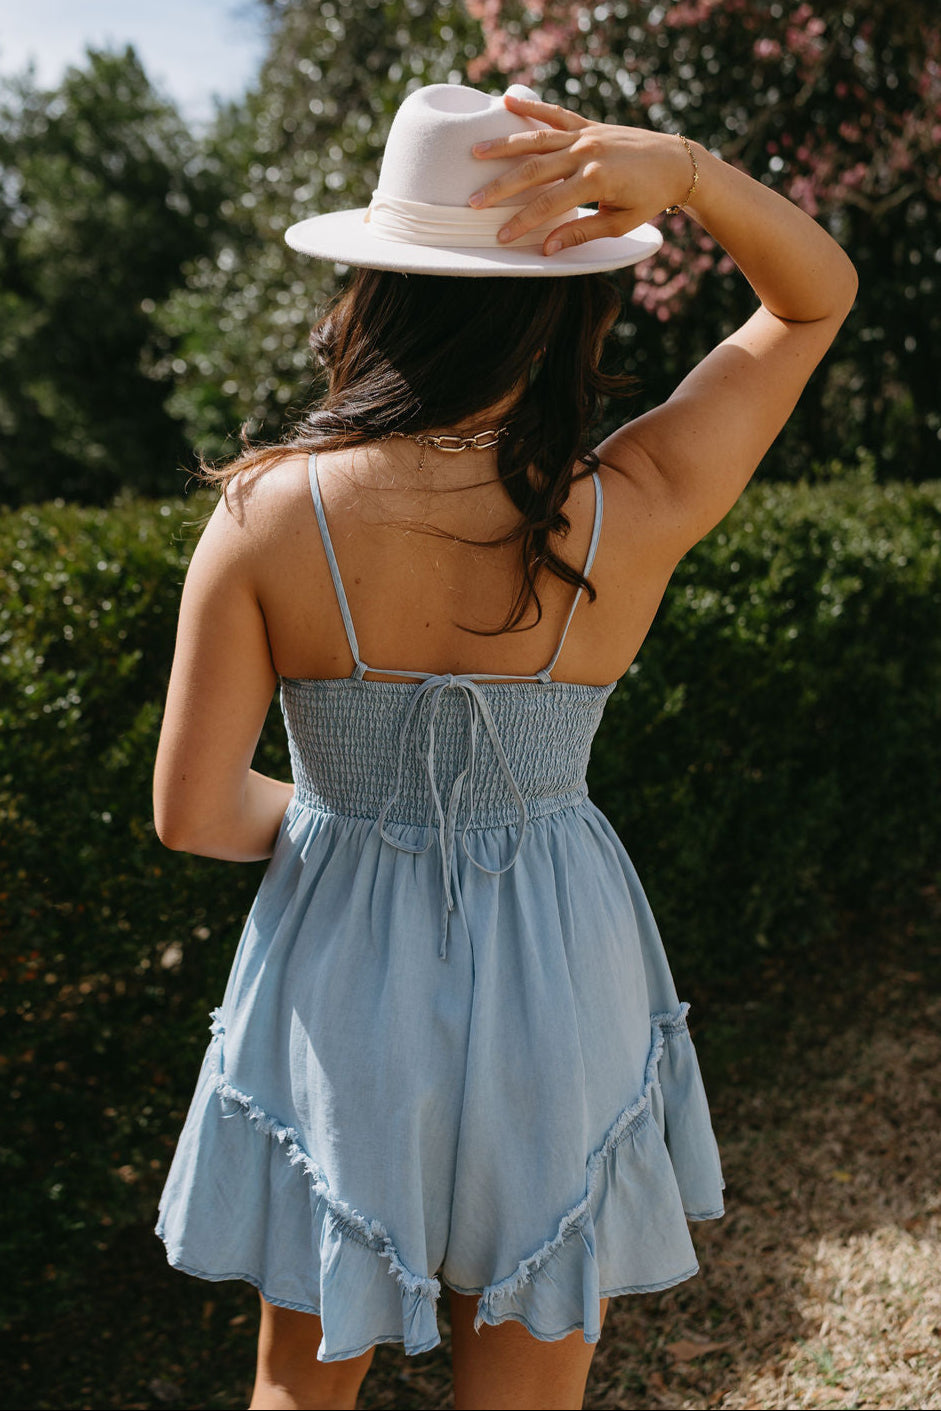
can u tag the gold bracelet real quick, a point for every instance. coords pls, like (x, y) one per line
(675, 210)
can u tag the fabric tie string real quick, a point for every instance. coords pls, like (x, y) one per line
(443, 818)
(451, 227)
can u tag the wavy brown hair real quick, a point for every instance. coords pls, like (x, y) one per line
(426, 353)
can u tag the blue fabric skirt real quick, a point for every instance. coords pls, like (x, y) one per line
(520, 1117)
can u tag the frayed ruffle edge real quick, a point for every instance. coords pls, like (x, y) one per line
(516, 1297)
(579, 1219)
(348, 1222)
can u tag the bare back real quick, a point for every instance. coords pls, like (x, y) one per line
(413, 595)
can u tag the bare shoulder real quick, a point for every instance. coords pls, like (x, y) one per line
(260, 510)
(266, 501)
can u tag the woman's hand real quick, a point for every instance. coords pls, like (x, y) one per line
(631, 174)
(687, 461)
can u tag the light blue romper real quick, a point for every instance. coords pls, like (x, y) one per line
(450, 1049)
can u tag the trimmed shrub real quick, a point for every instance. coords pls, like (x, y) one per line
(771, 758)
(770, 762)
(109, 944)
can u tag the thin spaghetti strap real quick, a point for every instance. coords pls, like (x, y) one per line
(334, 566)
(589, 560)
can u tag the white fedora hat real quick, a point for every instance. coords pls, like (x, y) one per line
(419, 221)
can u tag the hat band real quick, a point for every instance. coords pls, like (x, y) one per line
(446, 227)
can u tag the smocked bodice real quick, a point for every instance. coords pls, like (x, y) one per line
(361, 747)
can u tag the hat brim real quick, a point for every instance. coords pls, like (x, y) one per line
(345, 238)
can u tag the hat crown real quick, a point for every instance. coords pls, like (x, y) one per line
(420, 221)
(428, 151)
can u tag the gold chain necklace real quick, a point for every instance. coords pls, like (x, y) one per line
(452, 445)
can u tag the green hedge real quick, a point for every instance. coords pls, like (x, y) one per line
(110, 946)
(772, 758)
(771, 762)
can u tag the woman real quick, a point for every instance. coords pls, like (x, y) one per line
(450, 1051)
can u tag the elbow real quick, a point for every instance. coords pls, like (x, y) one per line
(175, 825)
(172, 832)
(197, 832)
(180, 812)
(842, 288)
(848, 285)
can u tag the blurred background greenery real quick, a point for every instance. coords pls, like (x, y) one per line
(771, 759)
(149, 307)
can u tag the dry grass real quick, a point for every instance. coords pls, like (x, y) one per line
(820, 1288)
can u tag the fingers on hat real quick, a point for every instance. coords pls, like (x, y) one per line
(528, 173)
(552, 113)
(602, 225)
(546, 206)
(523, 144)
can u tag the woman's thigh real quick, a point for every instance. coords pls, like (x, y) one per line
(288, 1375)
(504, 1368)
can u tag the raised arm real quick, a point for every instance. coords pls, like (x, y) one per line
(690, 458)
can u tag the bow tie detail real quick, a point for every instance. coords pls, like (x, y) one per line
(443, 816)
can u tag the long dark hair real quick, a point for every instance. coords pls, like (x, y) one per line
(417, 353)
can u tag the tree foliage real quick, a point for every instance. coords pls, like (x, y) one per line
(839, 108)
(102, 199)
(308, 139)
(148, 304)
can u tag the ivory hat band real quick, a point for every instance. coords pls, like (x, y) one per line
(419, 221)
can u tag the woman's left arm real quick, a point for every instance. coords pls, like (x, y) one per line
(207, 798)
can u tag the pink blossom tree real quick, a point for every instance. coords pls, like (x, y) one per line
(838, 108)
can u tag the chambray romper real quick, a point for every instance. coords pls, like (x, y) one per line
(450, 1049)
